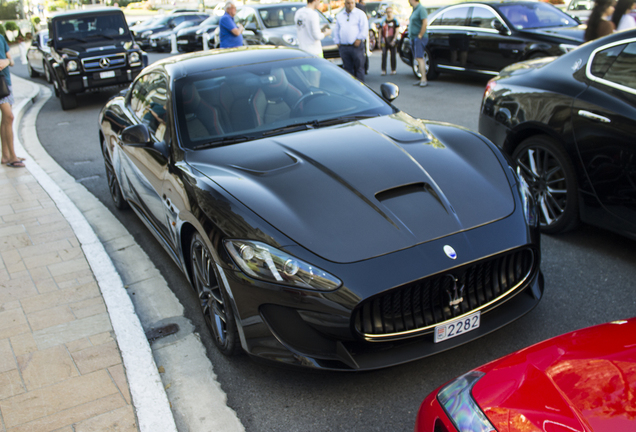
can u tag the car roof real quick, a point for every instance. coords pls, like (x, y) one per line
(201, 61)
(96, 11)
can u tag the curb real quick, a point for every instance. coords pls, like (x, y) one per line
(149, 397)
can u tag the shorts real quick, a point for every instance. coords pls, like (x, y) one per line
(418, 45)
(9, 99)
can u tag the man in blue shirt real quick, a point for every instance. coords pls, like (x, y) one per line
(350, 33)
(230, 34)
(417, 34)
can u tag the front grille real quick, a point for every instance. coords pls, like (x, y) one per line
(115, 61)
(417, 307)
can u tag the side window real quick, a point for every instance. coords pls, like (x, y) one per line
(482, 18)
(149, 103)
(454, 17)
(617, 65)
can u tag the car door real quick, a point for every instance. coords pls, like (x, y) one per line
(491, 45)
(604, 127)
(146, 166)
(448, 35)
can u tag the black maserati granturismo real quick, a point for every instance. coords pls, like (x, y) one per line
(318, 224)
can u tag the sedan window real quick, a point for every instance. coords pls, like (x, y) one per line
(244, 103)
(149, 103)
(453, 17)
(616, 65)
(483, 18)
(536, 15)
(279, 16)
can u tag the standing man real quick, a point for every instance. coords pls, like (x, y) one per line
(308, 28)
(363, 7)
(350, 33)
(231, 35)
(417, 34)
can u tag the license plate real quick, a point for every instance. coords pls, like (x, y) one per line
(107, 74)
(457, 327)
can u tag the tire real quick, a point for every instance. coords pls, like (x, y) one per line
(213, 300)
(47, 73)
(431, 72)
(550, 174)
(113, 183)
(32, 73)
(68, 100)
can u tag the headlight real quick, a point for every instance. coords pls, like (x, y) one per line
(71, 66)
(290, 39)
(146, 34)
(133, 57)
(566, 48)
(460, 406)
(266, 263)
(527, 200)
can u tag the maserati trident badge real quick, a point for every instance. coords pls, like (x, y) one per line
(450, 252)
(455, 293)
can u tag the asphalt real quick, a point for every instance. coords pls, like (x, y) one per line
(73, 353)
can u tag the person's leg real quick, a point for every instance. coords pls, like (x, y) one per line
(384, 52)
(418, 55)
(359, 56)
(6, 136)
(347, 59)
(393, 58)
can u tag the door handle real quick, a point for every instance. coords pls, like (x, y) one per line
(471, 34)
(594, 117)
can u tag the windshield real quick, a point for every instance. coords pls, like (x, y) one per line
(108, 26)
(213, 20)
(255, 101)
(536, 15)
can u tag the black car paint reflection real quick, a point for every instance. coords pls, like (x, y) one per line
(582, 107)
(311, 216)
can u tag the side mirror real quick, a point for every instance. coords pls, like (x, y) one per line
(136, 136)
(500, 27)
(389, 91)
(251, 27)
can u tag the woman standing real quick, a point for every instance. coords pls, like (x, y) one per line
(388, 39)
(598, 24)
(622, 18)
(6, 124)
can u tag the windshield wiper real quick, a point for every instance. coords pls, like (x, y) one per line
(224, 141)
(314, 124)
(100, 35)
(290, 128)
(345, 119)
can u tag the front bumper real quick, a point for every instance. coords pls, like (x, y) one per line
(318, 330)
(77, 83)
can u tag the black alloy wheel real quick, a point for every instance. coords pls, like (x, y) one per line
(552, 180)
(213, 301)
(113, 184)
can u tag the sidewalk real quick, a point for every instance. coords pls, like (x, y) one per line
(71, 349)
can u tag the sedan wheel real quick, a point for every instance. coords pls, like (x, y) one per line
(213, 300)
(549, 173)
(431, 73)
(113, 184)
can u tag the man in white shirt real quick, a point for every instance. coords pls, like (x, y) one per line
(350, 33)
(308, 28)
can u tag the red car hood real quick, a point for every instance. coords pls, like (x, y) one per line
(580, 381)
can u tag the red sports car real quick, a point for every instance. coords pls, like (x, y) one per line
(583, 381)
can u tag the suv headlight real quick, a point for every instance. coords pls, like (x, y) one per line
(71, 66)
(290, 39)
(133, 57)
(266, 263)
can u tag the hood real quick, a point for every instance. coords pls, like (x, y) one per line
(364, 189)
(95, 47)
(279, 32)
(574, 35)
(524, 67)
(582, 381)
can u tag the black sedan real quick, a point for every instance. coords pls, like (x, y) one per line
(167, 22)
(569, 124)
(482, 38)
(191, 39)
(319, 225)
(162, 41)
(38, 56)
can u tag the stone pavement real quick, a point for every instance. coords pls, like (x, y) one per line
(62, 335)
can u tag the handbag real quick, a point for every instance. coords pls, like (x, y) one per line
(4, 88)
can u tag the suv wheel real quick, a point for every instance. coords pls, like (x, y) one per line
(68, 100)
(47, 72)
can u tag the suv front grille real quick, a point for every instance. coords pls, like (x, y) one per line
(417, 307)
(115, 61)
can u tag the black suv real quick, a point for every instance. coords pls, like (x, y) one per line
(90, 50)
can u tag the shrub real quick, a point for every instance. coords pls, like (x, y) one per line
(3, 31)
(8, 11)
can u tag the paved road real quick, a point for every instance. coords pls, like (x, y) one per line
(589, 279)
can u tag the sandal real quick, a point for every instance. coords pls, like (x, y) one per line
(15, 164)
